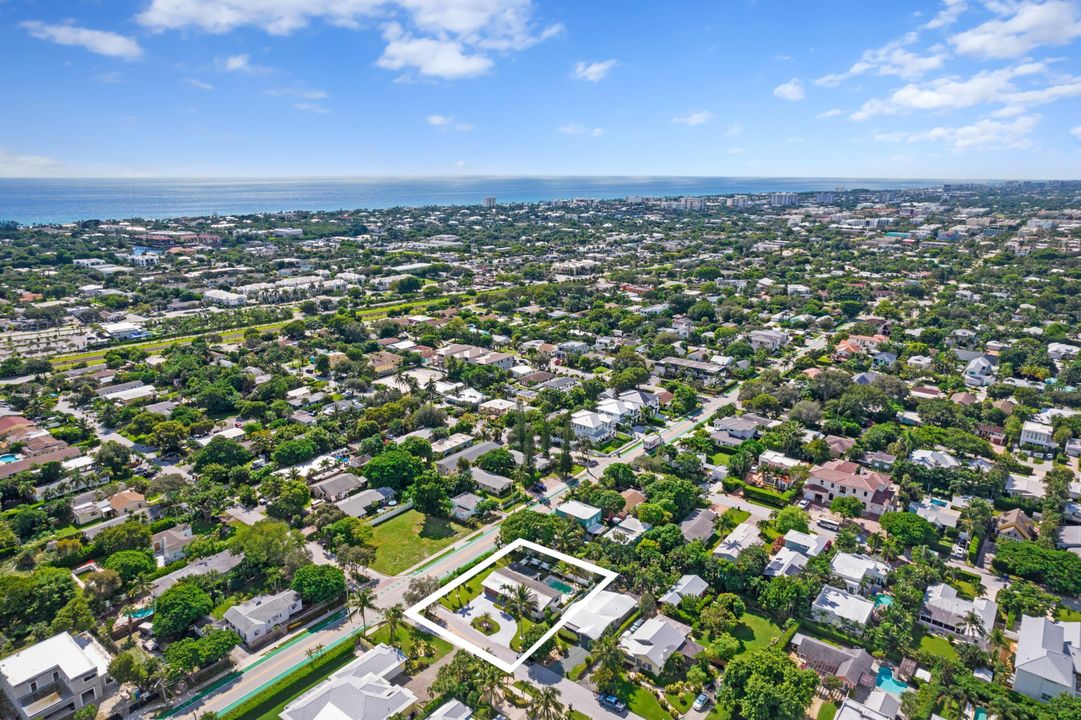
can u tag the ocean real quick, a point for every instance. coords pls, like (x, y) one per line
(41, 201)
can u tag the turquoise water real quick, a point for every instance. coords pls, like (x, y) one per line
(560, 586)
(939, 502)
(53, 200)
(141, 613)
(8, 458)
(883, 600)
(887, 682)
(981, 714)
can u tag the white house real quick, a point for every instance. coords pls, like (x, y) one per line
(56, 677)
(658, 639)
(1038, 434)
(362, 690)
(591, 619)
(943, 611)
(842, 609)
(771, 340)
(744, 536)
(592, 426)
(810, 544)
(1048, 659)
(786, 562)
(686, 586)
(859, 571)
(979, 372)
(256, 618)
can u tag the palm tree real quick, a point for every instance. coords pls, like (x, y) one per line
(972, 624)
(362, 601)
(392, 616)
(492, 683)
(545, 705)
(485, 620)
(520, 600)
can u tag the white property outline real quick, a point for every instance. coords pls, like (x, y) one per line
(416, 615)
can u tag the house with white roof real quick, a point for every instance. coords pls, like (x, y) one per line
(1037, 434)
(786, 562)
(452, 710)
(686, 586)
(257, 618)
(945, 612)
(629, 531)
(56, 677)
(744, 536)
(842, 609)
(587, 516)
(859, 571)
(595, 427)
(590, 618)
(1048, 659)
(658, 639)
(620, 413)
(362, 690)
(809, 544)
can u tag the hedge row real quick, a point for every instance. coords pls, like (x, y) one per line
(292, 684)
(768, 496)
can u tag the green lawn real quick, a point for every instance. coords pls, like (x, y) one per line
(464, 593)
(406, 635)
(641, 701)
(756, 631)
(405, 540)
(938, 646)
(827, 711)
(523, 627)
(681, 701)
(294, 690)
(1067, 615)
(721, 458)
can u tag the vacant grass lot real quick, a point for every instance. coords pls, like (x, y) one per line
(405, 540)
(756, 631)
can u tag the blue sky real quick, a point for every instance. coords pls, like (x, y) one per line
(957, 89)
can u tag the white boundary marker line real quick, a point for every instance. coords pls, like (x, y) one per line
(415, 613)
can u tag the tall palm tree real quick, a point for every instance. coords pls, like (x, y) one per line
(520, 600)
(362, 601)
(972, 624)
(392, 616)
(492, 683)
(545, 705)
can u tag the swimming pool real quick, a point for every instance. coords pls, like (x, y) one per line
(883, 600)
(9, 458)
(560, 586)
(981, 714)
(888, 682)
(939, 502)
(141, 613)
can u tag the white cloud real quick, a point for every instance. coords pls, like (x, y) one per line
(593, 71)
(310, 107)
(1028, 26)
(435, 38)
(891, 59)
(791, 90)
(445, 59)
(733, 130)
(446, 122)
(101, 42)
(695, 117)
(982, 133)
(579, 129)
(1076, 132)
(242, 64)
(948, 15)
(834, 112)
(198, 84)
(735, 151)
(987, 87)
(295, 92)
(13, 165)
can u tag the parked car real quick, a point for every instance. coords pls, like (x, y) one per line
(637, 624)
(828, 524)
(804, 503)
(700, 702)
(612, 703)
(957, 553)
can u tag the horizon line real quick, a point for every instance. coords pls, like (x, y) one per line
(546, 176)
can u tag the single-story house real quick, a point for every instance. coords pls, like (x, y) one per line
(842, 609)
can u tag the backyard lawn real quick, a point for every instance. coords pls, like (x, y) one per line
(827, 711)
(721, 458)
(1065, 614)
(938, 646)
(756, 631)
(462, 595)
(405, 540)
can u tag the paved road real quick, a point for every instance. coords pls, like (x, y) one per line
(571, 694)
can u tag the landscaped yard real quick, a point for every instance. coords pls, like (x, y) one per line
(939, 646)
(405, 540)
(756, 631)
(641, 701)
(1067, 615)
(827, 711)
(463, 594)
(721, 458)
(617, 442)
(406, 635)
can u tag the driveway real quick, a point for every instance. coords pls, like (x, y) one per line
(571, 694)
(481, 605)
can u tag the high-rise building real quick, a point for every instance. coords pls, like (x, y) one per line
(782, 199)
(489, 202)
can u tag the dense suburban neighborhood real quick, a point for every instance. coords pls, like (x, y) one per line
(771, 457)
